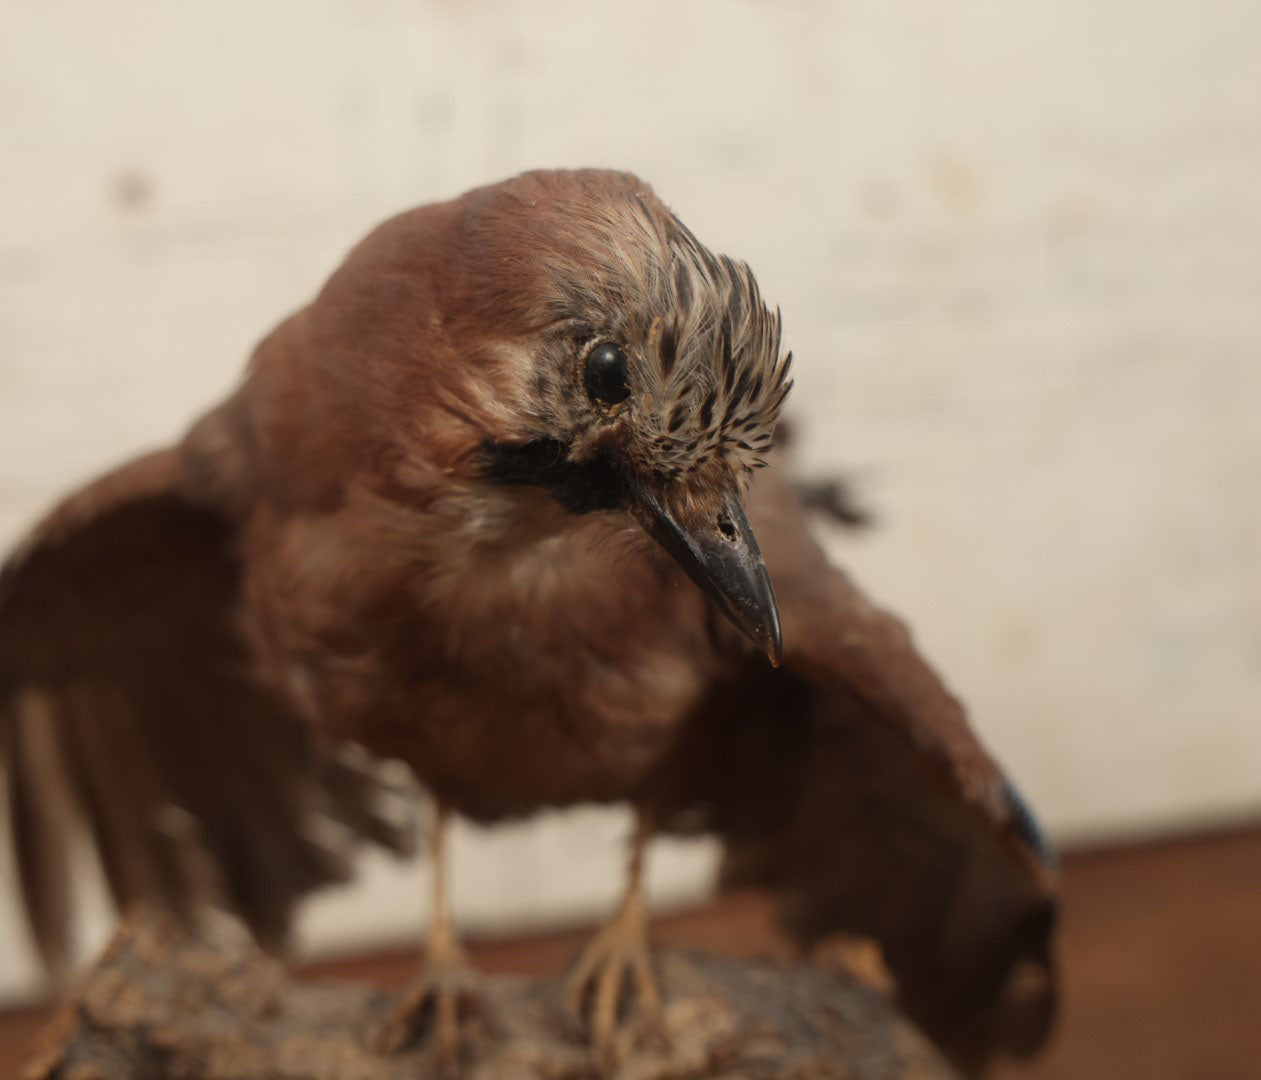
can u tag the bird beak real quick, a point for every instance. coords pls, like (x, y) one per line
(714, 544)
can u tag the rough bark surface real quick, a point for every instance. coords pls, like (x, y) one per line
(162, 1005)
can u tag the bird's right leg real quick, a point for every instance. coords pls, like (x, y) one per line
(448, 989)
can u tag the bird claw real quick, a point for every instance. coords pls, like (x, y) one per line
(437, 1006)
(614, 969)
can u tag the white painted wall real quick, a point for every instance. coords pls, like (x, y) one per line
(1017, 245)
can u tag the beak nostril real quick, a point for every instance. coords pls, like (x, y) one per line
(726, 526)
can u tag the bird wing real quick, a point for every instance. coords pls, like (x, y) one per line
(849, 782)
(128, 703)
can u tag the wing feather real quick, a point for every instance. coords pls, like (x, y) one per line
(129, 707)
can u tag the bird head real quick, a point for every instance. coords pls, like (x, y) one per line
(648, 371)
(610, 358)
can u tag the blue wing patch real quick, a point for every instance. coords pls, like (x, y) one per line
(1027, 825)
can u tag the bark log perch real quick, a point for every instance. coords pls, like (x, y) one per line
(162, 1003)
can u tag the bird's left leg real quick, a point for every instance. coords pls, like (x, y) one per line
(448, 989)
(618, 951)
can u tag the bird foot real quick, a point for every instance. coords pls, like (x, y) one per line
(437, 1006)
(616, 960)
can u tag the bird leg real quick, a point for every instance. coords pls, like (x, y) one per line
(619, 950)
(448, 988)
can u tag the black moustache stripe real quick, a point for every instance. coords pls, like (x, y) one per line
(580, 488)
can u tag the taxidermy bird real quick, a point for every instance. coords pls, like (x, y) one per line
(492, 505)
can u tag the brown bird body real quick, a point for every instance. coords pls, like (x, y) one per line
(455, 514)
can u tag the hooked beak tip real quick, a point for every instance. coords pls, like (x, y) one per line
(774, 643)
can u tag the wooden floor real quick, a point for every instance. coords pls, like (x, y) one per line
(1161, 949)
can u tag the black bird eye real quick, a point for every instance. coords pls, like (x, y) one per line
(608, 379)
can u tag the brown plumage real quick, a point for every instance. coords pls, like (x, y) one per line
(450, 516)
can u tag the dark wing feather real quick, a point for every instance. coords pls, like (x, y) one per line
(128, 702)
(849, 782)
